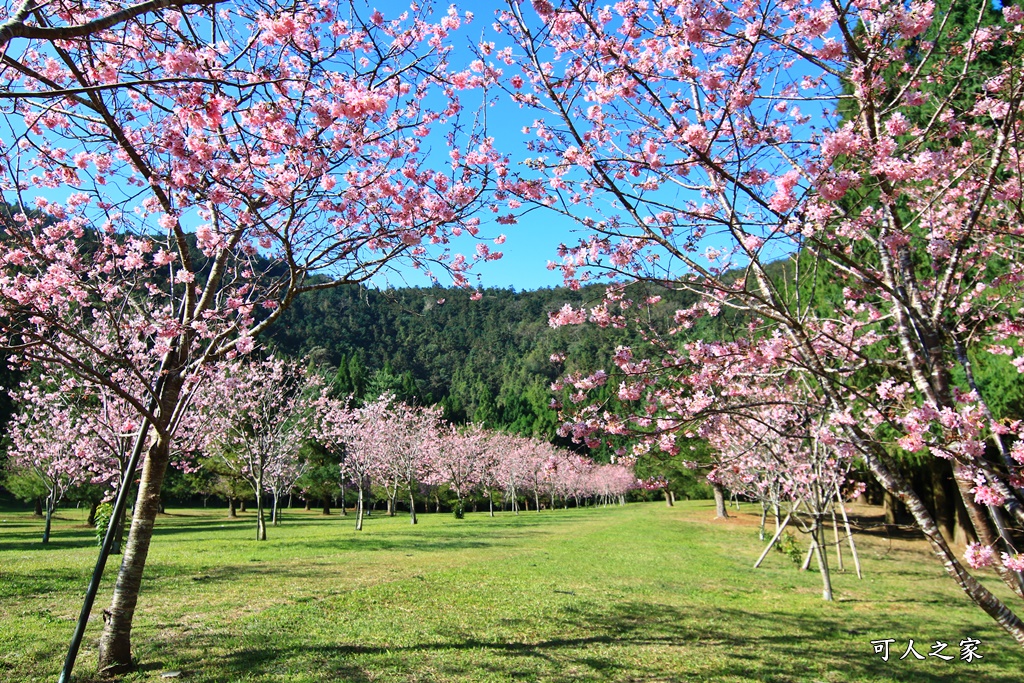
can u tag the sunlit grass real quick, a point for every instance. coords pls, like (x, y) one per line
(635, 593)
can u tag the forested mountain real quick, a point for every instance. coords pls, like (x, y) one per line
(487, 360)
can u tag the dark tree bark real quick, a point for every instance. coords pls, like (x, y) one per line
(49, 519)
(940, 474)
(890, 506)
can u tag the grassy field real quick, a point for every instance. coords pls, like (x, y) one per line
(628, 594)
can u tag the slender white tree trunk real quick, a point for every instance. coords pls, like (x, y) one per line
(261, 522)
(359, 508)
(818, 532)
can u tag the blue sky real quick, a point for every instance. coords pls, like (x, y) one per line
(534, 241)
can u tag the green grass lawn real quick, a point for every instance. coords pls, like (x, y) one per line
(635, 593)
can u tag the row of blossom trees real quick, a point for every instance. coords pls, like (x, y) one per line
(252, 418)
(401, 448)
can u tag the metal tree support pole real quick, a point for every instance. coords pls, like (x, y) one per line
(120, 503)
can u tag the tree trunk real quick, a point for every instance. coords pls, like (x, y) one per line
(890, 505)
(38, 507)
(91, 519)
(536, 499)
(818, 532)
(274, 520)
(306, 501)
(490, 501)
(412, 506)
(359, 509)
(344, 492)
(720, 511)
(231, 508)
(261, 523)
(49, 518)
(939, 473)
(115, 651)
(326, 506)
(241, 505)
(668, 500)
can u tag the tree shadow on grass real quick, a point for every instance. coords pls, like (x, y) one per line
(629, 642)
(32, 584)
(31, 540)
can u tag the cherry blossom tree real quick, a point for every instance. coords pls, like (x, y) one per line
(513, 466)
(457, 458)
(50, 441)
(610, 483)
(573, 479)
(490, 467)
(257, 421)
(402, 438)
(72, 433)
(180, 170)
(873, 145)
(281, 477)
(779, 451)
(340, 430)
